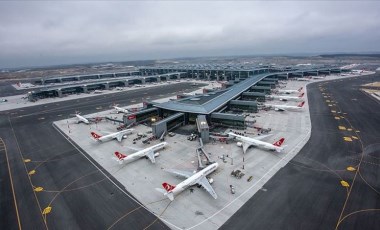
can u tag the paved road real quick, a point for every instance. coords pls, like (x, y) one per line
(80, 195)
(307, 193)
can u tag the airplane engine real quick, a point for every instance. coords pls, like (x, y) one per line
(125, 136)
(157, 154)
(240, 144)
(210, 180)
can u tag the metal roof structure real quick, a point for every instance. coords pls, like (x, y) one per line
(214, 103)
(208, 104)
(102, 81)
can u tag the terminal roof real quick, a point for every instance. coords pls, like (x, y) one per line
(208, 103)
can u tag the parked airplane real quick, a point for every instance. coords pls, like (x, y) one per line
(82, 119)
(189, 94)
(282, 108)
(149, 152)
(289, 91)
(246, 142)
(120, 110)
(315, 77)
(287, 98)
(192, 179)
(118, 135)
(303, 79)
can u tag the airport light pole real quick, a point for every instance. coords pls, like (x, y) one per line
(243, 161)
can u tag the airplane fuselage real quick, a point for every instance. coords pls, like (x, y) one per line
(286, 98)
(303, 79)
(143, 153)
(257, 143)
(111, 136)
(120, 110)
(290, 91)
(82, 119)
(284, 107)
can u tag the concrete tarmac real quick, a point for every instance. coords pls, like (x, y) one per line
(50, 174)
(310, 192)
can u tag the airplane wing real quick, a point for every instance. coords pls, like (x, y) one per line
(245, 146)
(151, 156)
(207, 186)
(182, 173)
(119, 137)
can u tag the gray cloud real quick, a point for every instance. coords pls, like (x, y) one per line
(45, 33)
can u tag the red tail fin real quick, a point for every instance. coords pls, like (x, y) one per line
(301, 95)
(120, 156)
(168, 187)
(279, 142)
(301, 104)
(96, 136)
(299, 90)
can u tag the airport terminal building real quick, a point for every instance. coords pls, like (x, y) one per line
(243, 88)
(240, 95)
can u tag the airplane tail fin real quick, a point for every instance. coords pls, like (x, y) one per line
(167, 191)
(168, 187)
(279, 142)
(301, 95)
(95, 135)
(120, 157)
(301, 104)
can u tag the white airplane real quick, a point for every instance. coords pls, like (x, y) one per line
(287, 98)
(189, 94)
(193, 178)
(303, 79)
(149, 152)
(282, 108)
(118, 135)
(289, 91)
(82, 119)
(246, 142)
(120, 110)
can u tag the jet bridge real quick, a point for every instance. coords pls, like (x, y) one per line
(168, 124)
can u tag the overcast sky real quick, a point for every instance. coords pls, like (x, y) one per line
(47, 33)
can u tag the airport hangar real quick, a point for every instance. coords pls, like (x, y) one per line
(240, 95)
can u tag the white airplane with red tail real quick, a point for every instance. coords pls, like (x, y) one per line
(118, 135)
(150, 153)
(288, 98)
(282, 108)
(289, 91)
(193, 178)
(246, 142)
